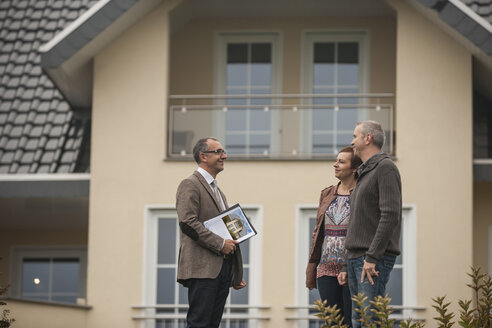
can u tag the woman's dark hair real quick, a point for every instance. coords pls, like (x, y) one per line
(355, 161)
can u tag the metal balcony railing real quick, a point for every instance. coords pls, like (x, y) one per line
(275, 126)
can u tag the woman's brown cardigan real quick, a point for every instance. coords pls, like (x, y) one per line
(327, 196)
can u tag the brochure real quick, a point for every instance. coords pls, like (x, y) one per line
(231, 224)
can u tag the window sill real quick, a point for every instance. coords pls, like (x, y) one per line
(40, 302)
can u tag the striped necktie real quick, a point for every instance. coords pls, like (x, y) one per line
(215, 188)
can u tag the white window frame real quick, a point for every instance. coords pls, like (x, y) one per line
(309, 37)
(19, 253)
(222, 38)
(152, 213)
(409, 264)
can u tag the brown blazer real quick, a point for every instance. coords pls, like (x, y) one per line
(199, 252)
(327, 196)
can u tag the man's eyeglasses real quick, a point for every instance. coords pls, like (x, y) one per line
(217, 151)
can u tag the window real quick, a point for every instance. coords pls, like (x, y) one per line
(166, 301)
(334, 63)
(247, 65)
(401, 286)
(49, 274)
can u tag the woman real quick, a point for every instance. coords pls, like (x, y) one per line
(327, 252)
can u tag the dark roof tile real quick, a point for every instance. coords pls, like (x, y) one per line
(23, 169)
(43, 169)
(7, 157)
(56, 131)
(16, 131)
(31, 144)
(31, 108)
(36, 131)
(47, 157)
(12, 145)
(27, 157)
(52, 144)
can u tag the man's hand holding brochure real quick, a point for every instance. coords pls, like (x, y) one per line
(231, 224)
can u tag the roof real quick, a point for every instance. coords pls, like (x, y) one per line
(470, 18)
(481, 7)
(39, 131)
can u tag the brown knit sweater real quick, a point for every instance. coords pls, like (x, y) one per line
(375, 210)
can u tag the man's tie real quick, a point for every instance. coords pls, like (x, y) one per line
(215, 188)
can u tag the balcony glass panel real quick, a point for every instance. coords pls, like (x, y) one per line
(266, 126)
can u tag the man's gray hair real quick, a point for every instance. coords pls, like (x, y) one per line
(200, 147)
(375, 130)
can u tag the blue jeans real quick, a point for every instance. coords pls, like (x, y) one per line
(354, 271)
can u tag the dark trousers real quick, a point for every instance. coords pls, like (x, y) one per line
(207, 298)
(334, 294)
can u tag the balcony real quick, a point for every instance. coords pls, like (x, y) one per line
(276, 126)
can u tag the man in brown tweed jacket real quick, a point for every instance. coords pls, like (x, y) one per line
(208, 264)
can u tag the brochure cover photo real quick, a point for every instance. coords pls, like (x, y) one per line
(231, 224)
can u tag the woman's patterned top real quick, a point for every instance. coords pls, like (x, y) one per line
(333, 251)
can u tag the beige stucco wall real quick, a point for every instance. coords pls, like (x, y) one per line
(434, 151)
(34, 315)
(482, 221)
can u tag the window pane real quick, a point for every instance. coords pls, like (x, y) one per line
(166, 282)
(343, 140)
(323, 143)
(261, 101)
(260, 120)
(348, 53)
(324, 74)
(259, 143)
(236, 144)
(183, 294)
(236, 119)
(65, 276)
(261, 53)
(261, 74)
(323, 119)
(324, 52)
(348, 100)
(313, 293)
(245, 251)
(399, 259)
(241, 296)
(237, 53)
(348, 64)
(237, 74)
(65, 299)
(35, 277)
(394, 288)
(347, 118)
(324, 60)
(166, 253)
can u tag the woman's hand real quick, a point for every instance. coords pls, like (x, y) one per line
(342, 278)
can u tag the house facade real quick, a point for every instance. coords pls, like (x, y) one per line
(281, 84)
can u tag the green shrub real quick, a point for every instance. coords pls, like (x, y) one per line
(476, 313)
